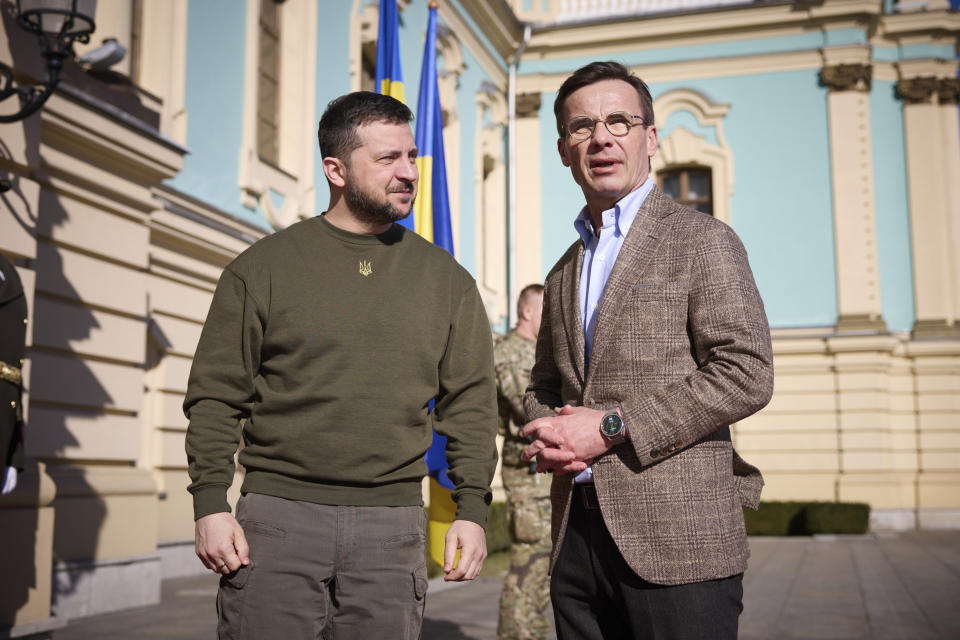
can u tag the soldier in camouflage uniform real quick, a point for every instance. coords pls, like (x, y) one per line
(526, 589)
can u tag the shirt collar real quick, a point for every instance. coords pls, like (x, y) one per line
(623, 212)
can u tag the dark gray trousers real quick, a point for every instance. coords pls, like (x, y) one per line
(321, 571)
(597, 596)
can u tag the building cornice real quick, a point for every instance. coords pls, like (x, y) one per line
(925, 23)
(500, 29)
(119, 115)
(498, 23)
(233, 231)
(568, 39)
(693, 69)
(191, 241)
(94, 154)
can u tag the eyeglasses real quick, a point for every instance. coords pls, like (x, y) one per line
(617, 123)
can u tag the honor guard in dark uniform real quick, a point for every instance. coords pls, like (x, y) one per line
(13, 329)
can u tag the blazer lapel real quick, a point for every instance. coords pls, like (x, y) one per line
(570, 308)
(638, 248)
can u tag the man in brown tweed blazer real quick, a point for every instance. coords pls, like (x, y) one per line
(654, 340)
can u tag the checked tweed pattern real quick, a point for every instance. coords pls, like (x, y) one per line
(682, 345)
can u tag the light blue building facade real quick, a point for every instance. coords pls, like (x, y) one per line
(825, 135)
(825, 132)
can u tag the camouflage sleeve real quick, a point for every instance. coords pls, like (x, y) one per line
(544, 392)
(513, 376)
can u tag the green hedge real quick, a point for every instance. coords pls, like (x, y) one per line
(838, 517)
(776, 519)
(807, 518)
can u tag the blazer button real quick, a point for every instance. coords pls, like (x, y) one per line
(670, 448)
(677, 444)
(655, 453)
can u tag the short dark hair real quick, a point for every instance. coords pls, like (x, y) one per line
(595, 72)
(337, 132)
(525, 293)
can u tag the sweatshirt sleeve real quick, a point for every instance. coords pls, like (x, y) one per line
(220, 391)
(466, 408)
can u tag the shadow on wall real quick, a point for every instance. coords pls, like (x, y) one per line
(65, 395)
(66, 399)
(19, 536)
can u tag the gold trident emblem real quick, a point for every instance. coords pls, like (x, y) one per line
(365, 268)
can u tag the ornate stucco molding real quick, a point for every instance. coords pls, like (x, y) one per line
(948, 90)
(847, 77)
(683, 147)
(450, 51)
(528, 105)
(491, 183)
(918, 90)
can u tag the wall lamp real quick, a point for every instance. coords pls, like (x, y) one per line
(57, 23)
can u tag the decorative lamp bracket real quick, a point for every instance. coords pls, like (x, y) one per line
(57, 24)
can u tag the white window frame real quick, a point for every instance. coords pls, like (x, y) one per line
(292, 181)
(682, 148)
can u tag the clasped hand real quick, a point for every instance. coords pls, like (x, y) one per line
(567, 442)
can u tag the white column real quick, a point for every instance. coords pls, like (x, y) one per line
(948, 94)
(529, 233)
(927, 147)
(854, 217)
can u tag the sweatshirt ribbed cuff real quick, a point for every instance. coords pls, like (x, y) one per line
(473, 508)
(207, 500)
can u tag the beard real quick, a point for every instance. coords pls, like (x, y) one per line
(368, 209)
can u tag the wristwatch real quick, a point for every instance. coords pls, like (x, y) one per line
(612, 427)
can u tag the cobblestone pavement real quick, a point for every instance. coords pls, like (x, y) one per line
(879, 586)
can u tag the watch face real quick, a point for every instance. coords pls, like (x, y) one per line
(611, 425)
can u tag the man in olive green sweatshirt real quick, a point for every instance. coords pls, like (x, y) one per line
(324, 344)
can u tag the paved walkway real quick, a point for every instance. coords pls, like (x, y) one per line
(884, 586)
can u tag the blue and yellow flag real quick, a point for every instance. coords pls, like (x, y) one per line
(389, 75)
(431, 211)
(431, 219)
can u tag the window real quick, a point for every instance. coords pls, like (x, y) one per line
(279, 89)
(697, 146)
(690, 186)
(268, 83)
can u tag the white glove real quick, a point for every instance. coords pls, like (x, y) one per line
(9, 480)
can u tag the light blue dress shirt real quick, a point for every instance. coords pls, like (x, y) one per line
(600, 252)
